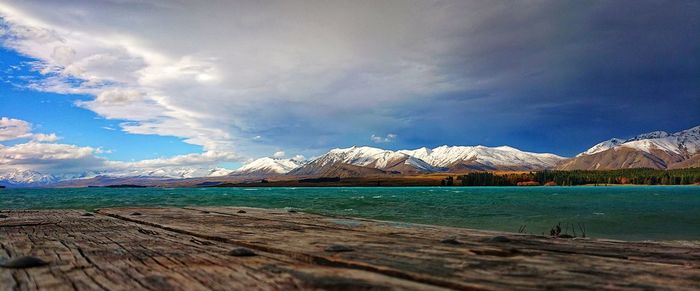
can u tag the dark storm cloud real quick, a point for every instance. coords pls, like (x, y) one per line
(559, 76)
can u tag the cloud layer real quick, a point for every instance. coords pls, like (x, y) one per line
(39, 152)
(245, 78)
(11, 129)
(385, 139)
(246, 71)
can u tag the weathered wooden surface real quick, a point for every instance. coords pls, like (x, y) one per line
(100, 252)
(173, 248)
(639, 251)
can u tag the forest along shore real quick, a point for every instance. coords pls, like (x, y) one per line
(167, 248)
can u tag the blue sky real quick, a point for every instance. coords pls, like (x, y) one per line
(57, 113)
(219, 83)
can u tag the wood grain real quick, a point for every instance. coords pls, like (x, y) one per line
(186, 249)
(104, 253)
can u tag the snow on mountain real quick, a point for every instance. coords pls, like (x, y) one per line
(268, 166)
(359, 156)
(359, 161)
(420, 164)
(218, 172)
(19, 177)
(29, 178)
(649, 135)
(603, 146)
(368, 157)
(686, 142)
(658, 150)
(689, 139)
(173, 172)
(493, 157)
(439, 159)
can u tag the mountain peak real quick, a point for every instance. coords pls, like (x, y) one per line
(649, 135)
(442, 158)
(507, 148)
(657, 149)
(268, 166)
(690, 132)
(603, 146)
(26, 177)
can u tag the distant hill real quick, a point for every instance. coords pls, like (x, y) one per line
(29, 178)
(656, 150)
(18, 178)
(104, 181)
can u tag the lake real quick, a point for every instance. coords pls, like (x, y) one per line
(622, 212)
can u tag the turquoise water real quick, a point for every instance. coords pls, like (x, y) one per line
(629, 213)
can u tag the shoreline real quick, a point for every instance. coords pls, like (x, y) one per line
(490, 208)
(272, 185)
(695, 241)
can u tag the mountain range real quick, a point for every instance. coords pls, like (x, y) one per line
(359, 161)
(658, 150)
(29, 178)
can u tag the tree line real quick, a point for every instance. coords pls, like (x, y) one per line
(642, 176)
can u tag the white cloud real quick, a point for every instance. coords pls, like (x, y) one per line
(118, 97)
(182, 166)
(12, 129)
(386, 139)
(48, 158)
(216, 73)
(206, 158)
(42, 137)
(65, 159)
(43, 155)
(279, 154)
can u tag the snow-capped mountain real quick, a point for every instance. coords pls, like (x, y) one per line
(370, 157)
(686, 142)
(656, 149)
(603, 146)
(268, 166)
(360, 161)
(174, 172)
(424, 160)
(483, 158)
(29, 178)
(683, 142)
(26, 177)
(649, 135)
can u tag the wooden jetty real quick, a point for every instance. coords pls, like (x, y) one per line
(236, 248)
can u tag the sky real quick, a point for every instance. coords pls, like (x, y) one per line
(133, 85)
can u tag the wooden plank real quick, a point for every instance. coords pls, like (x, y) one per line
(415, 253)
(666, 252)
(104, 253)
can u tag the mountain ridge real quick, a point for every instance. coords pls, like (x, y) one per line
(424, 160)
(657, 149)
